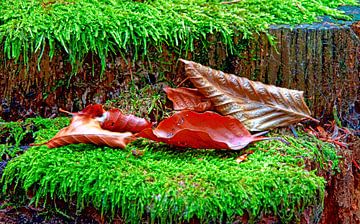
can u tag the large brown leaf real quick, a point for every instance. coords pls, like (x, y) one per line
(85, 129)
(116, 121)
(258, 106)
(207, 130)
(188, 99)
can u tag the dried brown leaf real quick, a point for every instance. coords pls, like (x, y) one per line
(258, 106)
(188, 99)
(85, 129)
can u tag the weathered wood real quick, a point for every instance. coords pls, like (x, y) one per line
(322, 60)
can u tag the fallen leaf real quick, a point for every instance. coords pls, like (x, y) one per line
(118, 122)
(258, 106)
(207, 130)
(113, 120)
(85, 129)
(331, 134)
(241, 158)
(188, 99)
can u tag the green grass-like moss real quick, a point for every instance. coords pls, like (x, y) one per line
(134, 28)
(167, 184)
(13, 135)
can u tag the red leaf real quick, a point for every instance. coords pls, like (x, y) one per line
(118, 122)
(188, 99)
(207, 130)
(84, 129)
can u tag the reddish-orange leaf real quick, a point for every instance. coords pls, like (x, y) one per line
(118, 122)
(84, 129)
(188, 99)
(207, 130)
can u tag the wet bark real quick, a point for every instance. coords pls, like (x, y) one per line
(322, 60)
(342, 198)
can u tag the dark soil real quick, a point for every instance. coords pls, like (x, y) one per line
(27, 215)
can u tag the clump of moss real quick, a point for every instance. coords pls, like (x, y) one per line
(133, 28)
(15, 137)
(142, 100)
(155, 182)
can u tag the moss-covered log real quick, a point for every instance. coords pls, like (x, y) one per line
(304, 181)
(321, 59)
(47, 69)
(150, 182)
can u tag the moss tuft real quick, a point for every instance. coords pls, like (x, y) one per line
(132, 28)
(155, 182)
(16, 136)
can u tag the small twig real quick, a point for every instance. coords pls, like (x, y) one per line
(280, 139)
(313, 119)
(182, 82)
(231, 2)
(356, 164)
(293, 131)
(300, 7)
(65, 111)
(270, 138)
(46, 4)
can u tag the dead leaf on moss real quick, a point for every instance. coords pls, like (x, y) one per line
(258, 106)
(84, 129)
(207, 130)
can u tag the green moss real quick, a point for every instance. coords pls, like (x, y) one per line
(142, 100)
(47, 128)
(134, 28)
(13, 135)
(166, 183)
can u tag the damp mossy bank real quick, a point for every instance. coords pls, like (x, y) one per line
(135, 28)
(155, 182)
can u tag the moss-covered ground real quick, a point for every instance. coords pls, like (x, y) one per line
(155, 182)
(134, 28)
(148, 181)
